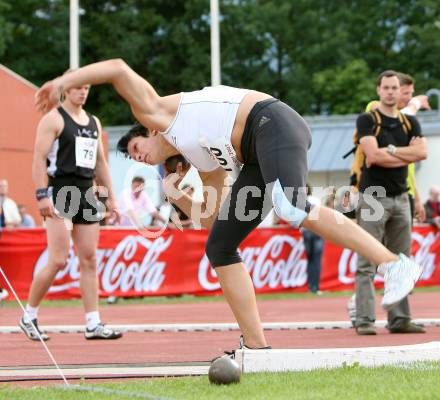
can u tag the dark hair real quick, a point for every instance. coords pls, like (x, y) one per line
(386, 74)
(138, 179)
(171, 163)
(135, 131)
(405, 79)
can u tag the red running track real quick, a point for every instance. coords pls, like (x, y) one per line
(174, 347)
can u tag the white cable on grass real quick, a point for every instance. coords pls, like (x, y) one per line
(137, 395)
(36, 330)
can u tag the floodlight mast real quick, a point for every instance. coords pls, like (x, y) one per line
(215, 44)
(74, 34)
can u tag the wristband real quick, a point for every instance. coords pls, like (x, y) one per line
(41, 194)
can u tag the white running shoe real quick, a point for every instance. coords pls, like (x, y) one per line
(102, 332)
(399, 279)
(32, 331)
(3, 294)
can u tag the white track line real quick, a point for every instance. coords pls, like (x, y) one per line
(175, 370)
(209, 327)
(309, 359)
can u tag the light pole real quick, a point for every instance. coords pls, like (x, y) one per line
(74, 34)
(215, 44)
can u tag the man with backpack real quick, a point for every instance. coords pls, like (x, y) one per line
(409, 105)
(388, 141)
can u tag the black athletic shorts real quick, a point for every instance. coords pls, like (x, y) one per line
(75, 199)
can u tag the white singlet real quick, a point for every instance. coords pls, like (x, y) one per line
(202, 128)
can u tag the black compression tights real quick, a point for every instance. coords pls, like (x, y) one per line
(274, 145)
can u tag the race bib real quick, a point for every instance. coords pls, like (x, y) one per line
(85, 152)
(224, 153)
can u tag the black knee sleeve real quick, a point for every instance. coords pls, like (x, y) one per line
(221, 253)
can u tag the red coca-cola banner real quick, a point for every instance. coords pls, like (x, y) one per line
(174, 263)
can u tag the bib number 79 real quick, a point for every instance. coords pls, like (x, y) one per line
(85, 152)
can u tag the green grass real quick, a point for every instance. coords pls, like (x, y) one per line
(202, 299)
(422, 381)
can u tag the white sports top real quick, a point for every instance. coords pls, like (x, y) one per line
(202, 128)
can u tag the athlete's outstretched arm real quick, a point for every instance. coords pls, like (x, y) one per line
(141, 96)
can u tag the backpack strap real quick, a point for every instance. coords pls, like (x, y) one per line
(405, 122)
(377, 124)
(377, 119)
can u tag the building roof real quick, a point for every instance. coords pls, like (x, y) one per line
(332, 137)
(16, 76)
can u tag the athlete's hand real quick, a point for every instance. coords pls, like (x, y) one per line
(424, 101)
(48, 96)
(112, 210)
(46, 208)
(171, 182)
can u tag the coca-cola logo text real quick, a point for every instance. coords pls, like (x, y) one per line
(423, 256)
(117, 267)
(266, 264)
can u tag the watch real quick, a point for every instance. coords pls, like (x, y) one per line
(391, 149)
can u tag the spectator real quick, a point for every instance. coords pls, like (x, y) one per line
(27, 221)
(346, 205)
(136, 207)
(387, 155)
(313, 245)
(409, 105)
(330, 198)
(432, 207)
(9, 215)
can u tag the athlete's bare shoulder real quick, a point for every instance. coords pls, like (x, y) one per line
(52, 122)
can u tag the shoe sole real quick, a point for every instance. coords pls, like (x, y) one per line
(366, 333)
(406, 332)
(394, 303)
(102, 338)
(405, 293)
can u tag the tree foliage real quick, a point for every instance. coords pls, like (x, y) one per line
(5, 27)
(320, 56)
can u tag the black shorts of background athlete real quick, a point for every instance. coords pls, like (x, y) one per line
(79, 204)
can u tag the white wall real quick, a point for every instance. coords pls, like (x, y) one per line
(428, 171)
(322, 181)
(123, 170)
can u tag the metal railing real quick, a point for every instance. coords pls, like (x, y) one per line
(435, 92)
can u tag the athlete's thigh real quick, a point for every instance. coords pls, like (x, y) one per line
(58, 237)
(282, 145)
(244, 208)
(85, 238)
